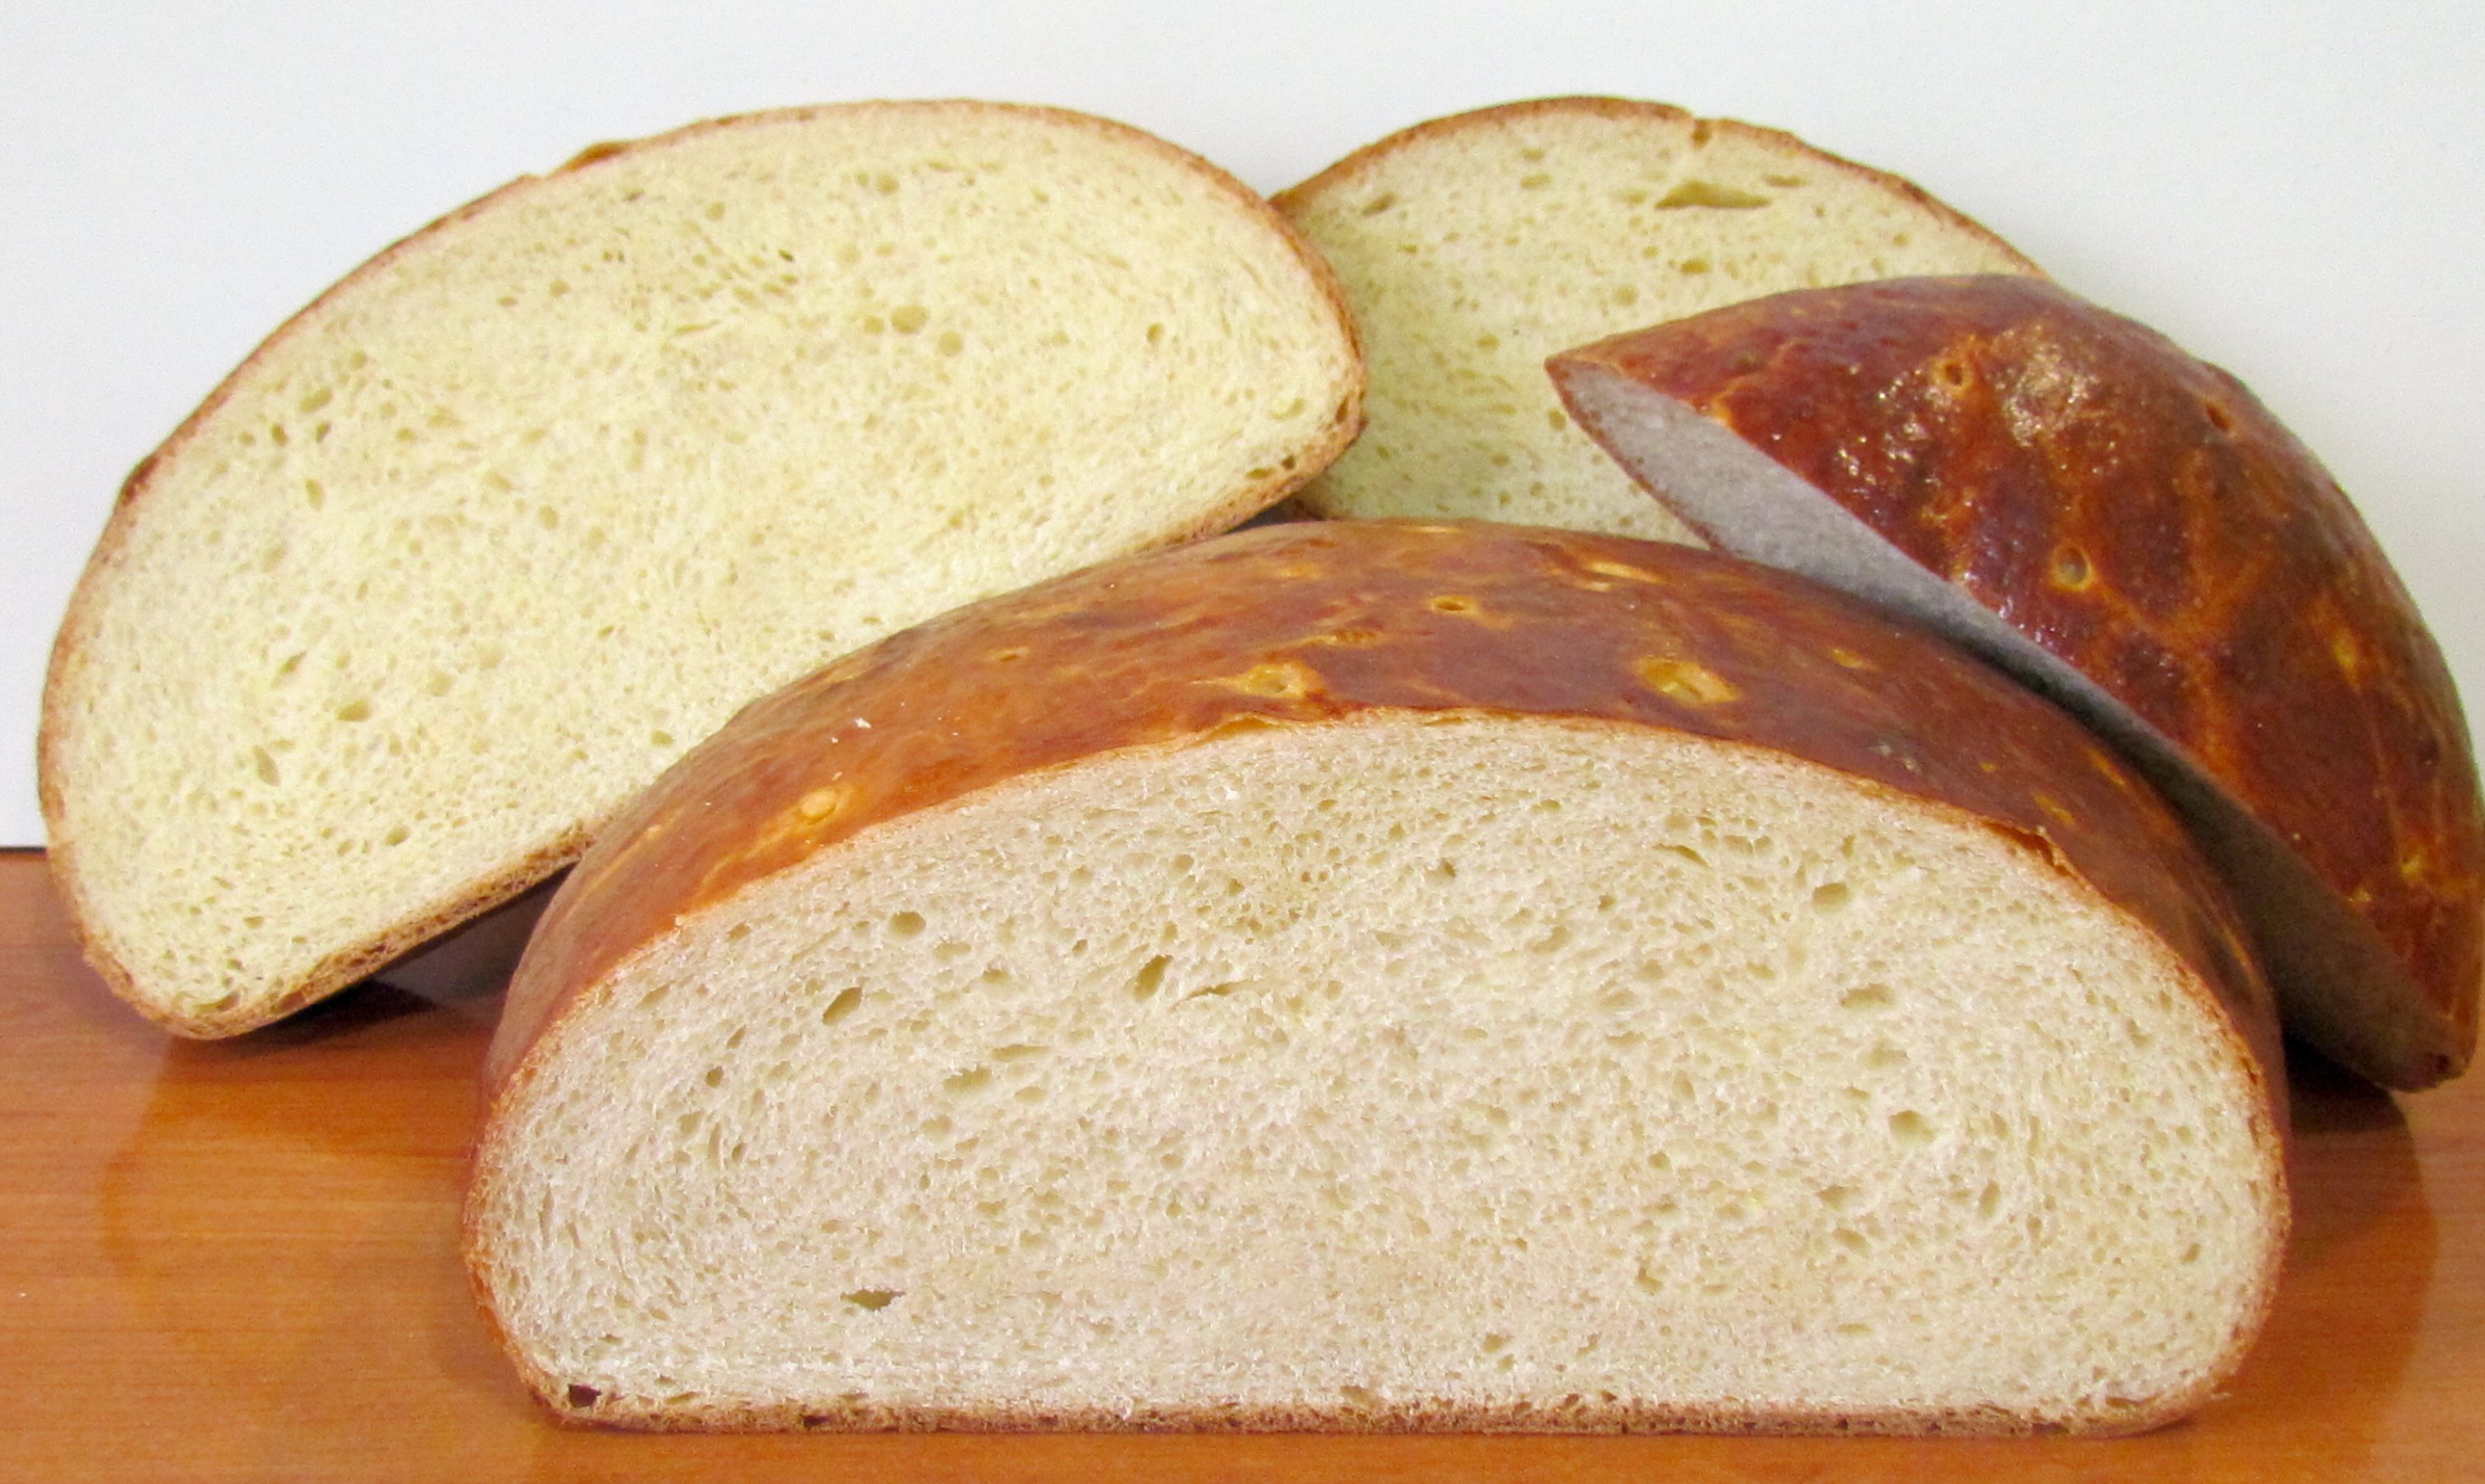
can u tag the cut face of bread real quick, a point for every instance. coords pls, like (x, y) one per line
(1473, 247)
(477, 545)
(1463, 987)
(2071, 494)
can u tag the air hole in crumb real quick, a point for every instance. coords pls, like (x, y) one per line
(873, 1298)
(1869, 997)
(1442, 874)
(1838, 1198)
(1852, 1240)
(844, 1005)
(1708, 193)
(1149, 978)
(354, 711)
(1908, 1126)
(715, 1077)
(967, 1081)
(905, 924)
(907, 318)
(264, 763)
(396, 835)
(1831, 896)
(1989, 1200)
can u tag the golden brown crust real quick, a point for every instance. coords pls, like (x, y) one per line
(349, 964)
(1319, 621)
(2138, 514)
(1347, 172)
(1322, 623)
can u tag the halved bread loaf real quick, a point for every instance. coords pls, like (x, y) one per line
(472, 548)
(2072, 495)
(1474, 246)
(1388, 977)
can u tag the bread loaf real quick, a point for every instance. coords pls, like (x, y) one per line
(480, 542)
(2074, 496)
(1375, 976)
(1473, 247)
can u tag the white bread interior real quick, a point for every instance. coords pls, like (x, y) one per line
(1473, 247)
(485, 538)
(1357, 1076)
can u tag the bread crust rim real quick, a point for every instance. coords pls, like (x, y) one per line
(1350, 167)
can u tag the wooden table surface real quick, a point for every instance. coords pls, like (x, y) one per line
(238, 1261)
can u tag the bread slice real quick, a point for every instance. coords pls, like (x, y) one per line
(1474, 246)
(1369, 976)
(475, 546)
(2072, 495)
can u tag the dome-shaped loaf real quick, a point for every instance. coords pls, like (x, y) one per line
(1474, 246)
(1398, 977)
(2126, 526)
(480, 542)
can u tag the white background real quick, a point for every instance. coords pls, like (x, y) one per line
(2296, 191)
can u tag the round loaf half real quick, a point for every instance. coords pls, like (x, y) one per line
(473, 547)
(1474, 246)
(2075, 497)
(1388, 977)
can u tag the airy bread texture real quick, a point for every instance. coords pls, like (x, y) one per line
(1475, 245)
(2072, 495)
(478, 544)
(1476, 979)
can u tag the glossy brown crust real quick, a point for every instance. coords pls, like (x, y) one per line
(2140, 515)
(1296, 624)
(353, 962)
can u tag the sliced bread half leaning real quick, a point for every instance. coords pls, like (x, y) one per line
(1374, 976)
(2127, 527)
(480, 542)
(1474, 246)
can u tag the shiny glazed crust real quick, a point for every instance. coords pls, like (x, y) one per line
(1302, 624)
(1305, 623)
(2137, 513)
(100, 577)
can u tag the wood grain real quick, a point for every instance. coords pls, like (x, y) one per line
(237, 1260)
